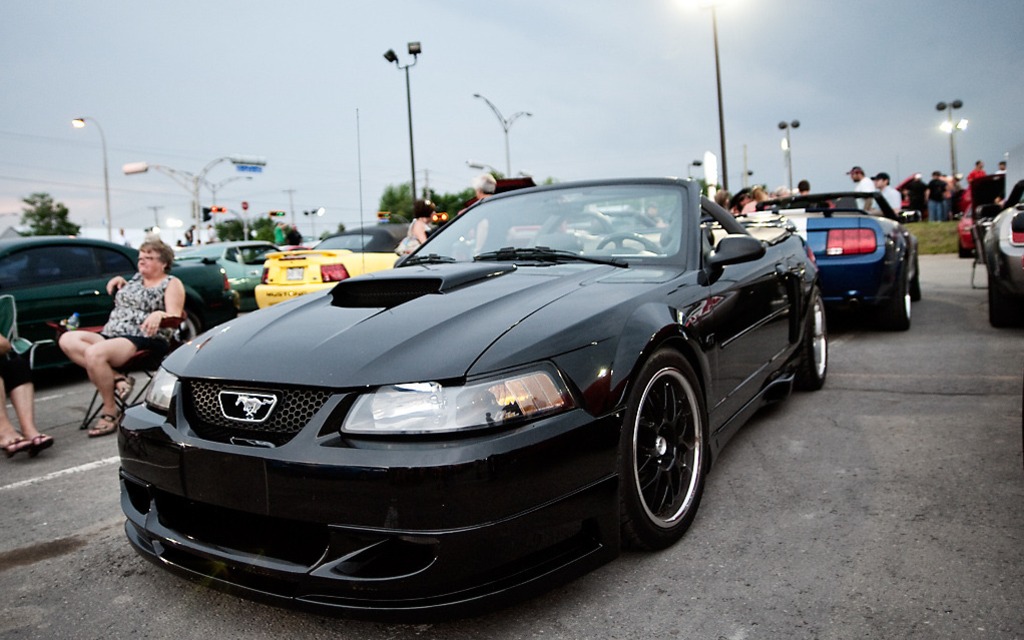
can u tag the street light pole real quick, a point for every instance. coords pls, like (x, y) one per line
(951, 129)
(506, 124)
(721, 113)
(788, 147)
(79, 123)
(414, 50)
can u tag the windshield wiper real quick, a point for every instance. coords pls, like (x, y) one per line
(546, 254)
(430, 258)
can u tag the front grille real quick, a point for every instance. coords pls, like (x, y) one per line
(295, 408)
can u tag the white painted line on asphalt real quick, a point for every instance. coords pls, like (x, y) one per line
(56, 474)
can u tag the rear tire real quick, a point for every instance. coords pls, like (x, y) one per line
(1003, 310)
(894, 314)
(663, 453)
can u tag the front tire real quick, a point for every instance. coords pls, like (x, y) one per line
(812, 366)
(663, 453)
(1002, 310)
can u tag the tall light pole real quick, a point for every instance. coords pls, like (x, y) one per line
(79, 123)
(949, 127)
(718, 82)
(788, 148)
(506, 124)
(414, 50)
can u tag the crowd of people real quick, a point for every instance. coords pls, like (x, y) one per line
(940, 199)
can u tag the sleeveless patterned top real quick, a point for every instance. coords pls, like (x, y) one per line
(132, 303)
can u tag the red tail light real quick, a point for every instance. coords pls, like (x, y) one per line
(333, 272)
(263, 278)
(847, 242)
(227, 285)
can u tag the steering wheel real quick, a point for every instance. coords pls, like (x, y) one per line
(619, 237)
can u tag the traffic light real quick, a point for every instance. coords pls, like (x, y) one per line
(277, 214)
(209, 211)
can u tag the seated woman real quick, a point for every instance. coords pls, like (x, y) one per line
(140, 305)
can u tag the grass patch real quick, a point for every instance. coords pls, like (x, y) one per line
(935, 237)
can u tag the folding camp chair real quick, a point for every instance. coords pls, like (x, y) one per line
(141, 368)
(9, 329)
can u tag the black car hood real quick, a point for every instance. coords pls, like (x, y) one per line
(410, 324)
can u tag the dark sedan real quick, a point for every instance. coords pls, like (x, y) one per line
(866, 254)
(492, 416)
(51, 277)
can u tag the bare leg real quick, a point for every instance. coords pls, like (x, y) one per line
(23, 399)
(8, 434)
(100, 359)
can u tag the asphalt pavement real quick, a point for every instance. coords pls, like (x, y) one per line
(890, 504)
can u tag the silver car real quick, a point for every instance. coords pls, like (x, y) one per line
(1003, 254)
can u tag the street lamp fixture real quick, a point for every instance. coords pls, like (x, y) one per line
(472, 164)
(414, 50)
(193, 181)
(506, 124)
(689, 167)
(787, 147)
(951, 128)
(79, 123)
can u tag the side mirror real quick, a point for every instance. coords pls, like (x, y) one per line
(734, 249)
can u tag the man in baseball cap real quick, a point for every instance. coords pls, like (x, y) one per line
(891, 195)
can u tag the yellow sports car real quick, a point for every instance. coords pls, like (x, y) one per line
(287, 274)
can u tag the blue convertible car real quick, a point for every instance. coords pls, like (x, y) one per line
(866, 256)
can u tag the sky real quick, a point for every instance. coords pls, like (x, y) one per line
(616, 88)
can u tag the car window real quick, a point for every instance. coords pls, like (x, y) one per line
(620, 220)
(48, 265)
(113, 262)
(352, 242)
(256, 255)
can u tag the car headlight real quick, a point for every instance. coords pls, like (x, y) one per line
(158, 396)
(429, 407)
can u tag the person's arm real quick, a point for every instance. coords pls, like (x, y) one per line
(115, 284)
(174, 305)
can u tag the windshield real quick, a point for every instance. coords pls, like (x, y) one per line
(607, 221)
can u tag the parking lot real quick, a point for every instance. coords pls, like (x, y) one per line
(888, 505)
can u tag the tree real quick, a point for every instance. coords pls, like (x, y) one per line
(397, 200)
(44, 217)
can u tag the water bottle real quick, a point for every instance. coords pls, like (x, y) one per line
(73, 322)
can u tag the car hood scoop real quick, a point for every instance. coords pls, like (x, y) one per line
(388, 289)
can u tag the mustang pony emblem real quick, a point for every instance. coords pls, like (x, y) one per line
(246, 407)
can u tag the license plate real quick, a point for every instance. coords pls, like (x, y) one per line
(295, 273)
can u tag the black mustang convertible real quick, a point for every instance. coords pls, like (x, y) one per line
(547, 379)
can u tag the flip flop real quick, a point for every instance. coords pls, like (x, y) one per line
(16, 446)
(106, 425)
(39, 443)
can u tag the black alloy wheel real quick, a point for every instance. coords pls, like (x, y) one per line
(663, 453)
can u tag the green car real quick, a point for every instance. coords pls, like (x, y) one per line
(52, 277)
(242, 261)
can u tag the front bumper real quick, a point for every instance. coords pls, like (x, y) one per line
(408, 530)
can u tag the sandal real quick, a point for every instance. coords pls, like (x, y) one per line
(123, 386)
(106, 425)
(17, 445)
(39, 443)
